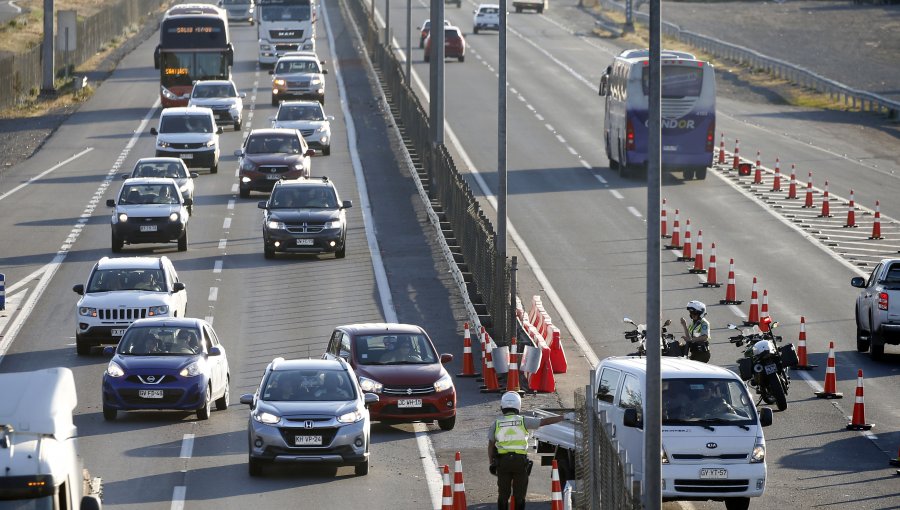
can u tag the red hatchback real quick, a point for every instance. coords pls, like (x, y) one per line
(399, 363)
(454, 44)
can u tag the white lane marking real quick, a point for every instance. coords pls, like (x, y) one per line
(230, 205)
(600, 178)
(222, 243)
(213, 293)
(560, 138)
(737, 311)
(572, 150)
(616, 194)
(539, 117)
(235, 188)
(209, 319)
(178, 494)
(226, 223)
(217, 266)
(588, 166)
(47, 171)
(633, 210)
(549, 128)
(237, 173)
(187, 446)
(14, 6)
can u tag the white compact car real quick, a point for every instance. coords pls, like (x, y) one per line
(222, 97)
(189, 133)
(121, 290)
(309, 118)
(487, 17)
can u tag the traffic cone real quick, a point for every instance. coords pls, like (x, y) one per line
(557, 354)
(542, 381)
(792, 186)
(876, 226)
(826, 208)
(731, 288)
(491, 384)
(803, 362)
(737, 157)
(447, 496)
(858, 421)
(555, 488)
(482, 337)
(686, 255)
(830, 383)
(764, 312)
(459, 487)
(753, 316)
(721, 160)
(698, 257)
(468, 360)
(757, 175)
(512, 377)
(851, 213)
(776, 182)
(808, 203)
(663, 222)
(711, 274)
(676, 234)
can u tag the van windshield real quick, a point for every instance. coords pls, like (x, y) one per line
(706, 402)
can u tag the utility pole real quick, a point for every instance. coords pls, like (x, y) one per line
(500, 264)
(48, 68)
(436, 75)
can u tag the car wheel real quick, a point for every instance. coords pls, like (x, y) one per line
(190, 209)
(117, 244)
(475, 29)
(215, 168)
(274, 101)
(700, 173)
(82, 348)
(237, 126)
(421, 42)
(362, 469)
(268, 251)
(322, 100)
(109, 413)
(339, 254)
(540, 10)
(862, 341)
(462, 58)
(222, 403)
(623, 165)
(183, 242)
(245, 192)
(877, 350)
(447, 423)
(737, 503)
(255, 466)
(326, 151)
(518, 9)
(427, 57)
(204, 411)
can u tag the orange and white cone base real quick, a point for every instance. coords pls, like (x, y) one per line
(687, 254)
(556, 502)
(459, 486)
(858, 421)
(447, 495)
(698, 256)
(512, 377)
(830, 390)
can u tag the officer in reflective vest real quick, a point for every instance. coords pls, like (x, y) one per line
(508, 449)
(696, 334)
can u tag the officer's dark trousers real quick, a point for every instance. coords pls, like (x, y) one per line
(512, 476)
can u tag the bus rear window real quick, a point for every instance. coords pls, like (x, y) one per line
(677, 81)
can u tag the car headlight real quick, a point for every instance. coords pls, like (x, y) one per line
(315, 81)
(122, 217)
(85, 311)
(267, 418)
(265, 47)
(308, 45)
(351, 417)
(155, 311)
(211, 143)
(168, 93)
(114, 370)
(758, 454)
(275, 225)
(334, 224)
(192, 370)
(162, 144)
(173, 216)
(370, 385)
(444, 383)
(323, 128)
(278, 82)
(247, 166)
(299, 167)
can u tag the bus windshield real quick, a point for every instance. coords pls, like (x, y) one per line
(185, 67)
(677, 81)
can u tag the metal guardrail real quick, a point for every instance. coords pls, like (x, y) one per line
(836, 91)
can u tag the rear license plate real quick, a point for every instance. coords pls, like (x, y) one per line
(307, 440)
(304, 242)
(150, 393)
(409, 402)
(771, 368)
(148, 228)
(118, 332)
(273, 177)
(713, 473)
(186, 156)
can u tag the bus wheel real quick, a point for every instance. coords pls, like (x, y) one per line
(700, 174)
(622, 165)
(612, 164)
(688, 174)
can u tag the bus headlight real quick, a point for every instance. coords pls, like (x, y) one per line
(168, 94)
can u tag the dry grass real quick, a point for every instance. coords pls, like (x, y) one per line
(27, 30)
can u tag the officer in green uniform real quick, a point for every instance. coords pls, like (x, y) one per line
(696, 334)
(508, 449)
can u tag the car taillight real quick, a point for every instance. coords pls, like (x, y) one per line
(629, 136)
(882, 300)
(710, 137)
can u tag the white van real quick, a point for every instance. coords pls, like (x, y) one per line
(712, 440)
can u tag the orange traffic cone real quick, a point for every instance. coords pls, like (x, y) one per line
(512, 377)
(468, 360)
(686, 255)
(753, 316)
(757, 175)
(876, 226)
(803, 362)
(676, 234)
(830, 390)
(447, 496)
(737, 157)
(542, 381)
(792, 186)
(851, 213)
(482, 337)
(663, 221)
(557, 353)
(491, 384)
(826, 208)
(711, 274)
(721, 159)
(776, 182)
(764, 309)
(698, 257)
(858, 421)
(730, 288)
(808, 203)
(556, 502)
(459, 487)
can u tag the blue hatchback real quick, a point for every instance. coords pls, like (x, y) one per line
(167, 363)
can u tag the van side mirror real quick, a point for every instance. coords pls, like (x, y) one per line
(110, 202)
(371, 398)
(194, 175)
(765, 416)
(324, 71)
(220, 130)
(247, 399)
(631, 419)
(178, 286)
(188, 201)
(858, 282)
(109, 350)
(347, 204)
(215, 351)
(261, 204)
(78, 289)
(243, 95)
(153, 131)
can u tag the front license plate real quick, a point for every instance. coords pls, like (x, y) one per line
(148, 228)
(273, 177)
(186, 156)
(307, 440)
(118, 332)
(713, 473)
(409, 402)
(771, 368)
(150, 393)
(304, 242)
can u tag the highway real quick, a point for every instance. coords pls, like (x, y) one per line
(574, 221)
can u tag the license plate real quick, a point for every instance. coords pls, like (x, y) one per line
(273, 177)
(409, 402)
(186, 156)
(307, 440)
(305, 242)
(148, 228)
(713, 473)
(118, 332)
(771, 368)
(150, 393)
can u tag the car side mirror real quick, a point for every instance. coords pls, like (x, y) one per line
(347, 204)
(220, 130)
(178, 286)
(110, 202)
(125, 176)
(630, 419)
(188, 201)
(90, 502)
(153, 131)
(247, 399)
(324, 71)
(239, 152)
(271, 71)
(858, 282)
(109, 350)
(271, 119)
(765, 416)
(310, 152)
(215, 351)
(371, 398)
(446, 358)
(243, 95)
(345, 356)
(261, 204)
(194, 175)
(78, 289)
(329, 117)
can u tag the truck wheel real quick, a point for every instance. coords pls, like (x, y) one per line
(268, 251)
(475, 29)
(109, 413)
(700, 173)
(566, 466)
(215, 168)
(540, 9)
(245, 192)
(326, 151)
(688, 174)
(361, 469)
(737, 503)
(117, 244)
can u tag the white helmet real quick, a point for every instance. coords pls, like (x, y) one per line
(697, 306)
(511, 400)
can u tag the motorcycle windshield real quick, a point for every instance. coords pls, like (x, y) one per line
(706, 402)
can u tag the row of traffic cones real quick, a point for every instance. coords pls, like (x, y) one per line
(858, 420)
(453, 496)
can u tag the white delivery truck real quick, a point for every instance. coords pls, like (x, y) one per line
(283, 26)
(39, 463)
(712, 440)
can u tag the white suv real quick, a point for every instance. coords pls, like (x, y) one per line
(121, 290)
(189, 133)
(487, 17)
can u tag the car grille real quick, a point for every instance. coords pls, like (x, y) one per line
(307, 132)
(187, 145)
(684, 485)
(121, 314)
(145, 379)
(298, 84)
(327, 433)
(724, 456)
(169, 397)
(411, 390)
(271, 169)
(287, 47)
(219, 108)
(285, 34)
(304, 228)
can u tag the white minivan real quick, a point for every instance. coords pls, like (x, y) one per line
(712, 440)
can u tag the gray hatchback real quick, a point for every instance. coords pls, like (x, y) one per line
(309, 411)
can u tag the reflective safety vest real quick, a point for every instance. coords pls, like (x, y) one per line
(510, 435)
(696, 328)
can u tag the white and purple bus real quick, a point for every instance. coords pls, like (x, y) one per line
(688, 112)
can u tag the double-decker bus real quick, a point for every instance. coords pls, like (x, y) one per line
(688, 112)
(194, 44)
(284, 25)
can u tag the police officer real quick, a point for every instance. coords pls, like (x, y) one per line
(508, 449)
(696, 334)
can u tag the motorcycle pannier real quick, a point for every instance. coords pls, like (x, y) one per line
(789, 355)
(745, 368)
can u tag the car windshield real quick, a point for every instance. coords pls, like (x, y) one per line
(489, 10)
(394, 349)
(146, 194)
(304, 112)
(174, 170)
(219, 90)
(108, 280)
(273, 144)
(186, 124)
(308, 385)
(161, 341)
(297, 66)
(706, 402)
(308, 197)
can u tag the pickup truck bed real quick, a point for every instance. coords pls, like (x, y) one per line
(557, 441)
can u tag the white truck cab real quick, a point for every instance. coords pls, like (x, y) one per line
(38, 443)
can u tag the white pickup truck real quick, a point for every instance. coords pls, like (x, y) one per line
(878, 308)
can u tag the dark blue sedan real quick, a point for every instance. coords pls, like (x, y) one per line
(167, 363)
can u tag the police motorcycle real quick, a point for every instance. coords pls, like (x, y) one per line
(765, 366)
(668, 345)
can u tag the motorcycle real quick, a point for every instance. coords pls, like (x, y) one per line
(668, 345)
(765, 366)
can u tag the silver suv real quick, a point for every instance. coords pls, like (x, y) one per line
(309, 411)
